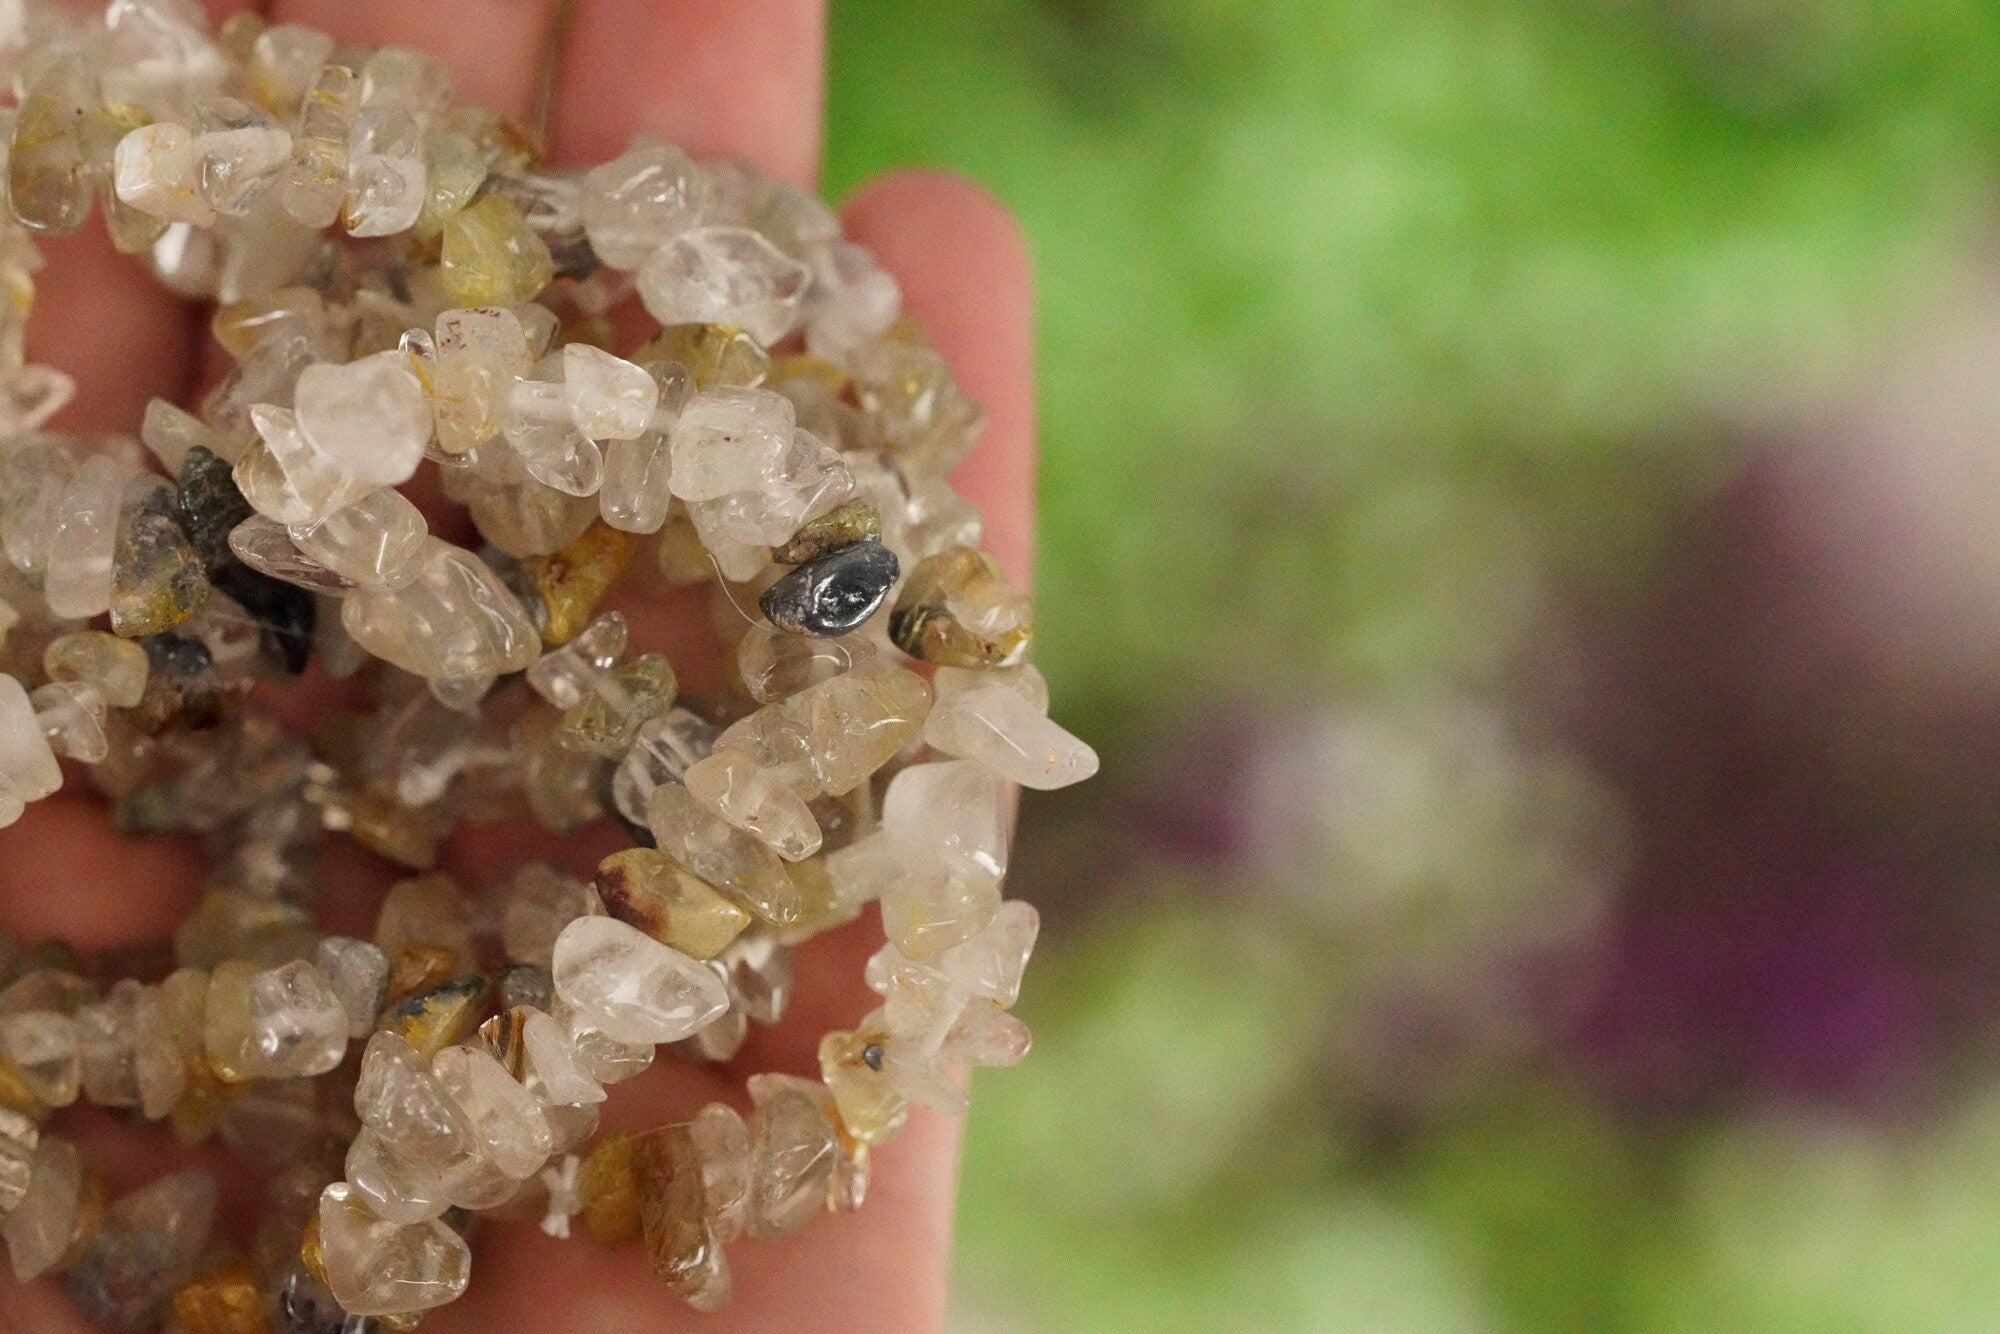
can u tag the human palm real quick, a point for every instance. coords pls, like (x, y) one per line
(719, 78)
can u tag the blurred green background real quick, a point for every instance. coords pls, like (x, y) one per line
(1376, 339)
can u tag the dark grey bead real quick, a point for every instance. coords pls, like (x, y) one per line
(209, 504)
(285, 613)
(306, 1307)
(833, 594)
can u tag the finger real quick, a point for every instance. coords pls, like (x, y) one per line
(493, 48)
(852, 1273)
(719, 78)
(65, 873)
(967, 278)
(102, 319)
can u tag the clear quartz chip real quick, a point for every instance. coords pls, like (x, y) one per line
(609, 397)
(631, 986)
(640, 200)
(370, 418)
(725, 275)
(376, 1268)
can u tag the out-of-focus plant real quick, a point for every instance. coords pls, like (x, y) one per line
(1358, 314)
(1369, 330)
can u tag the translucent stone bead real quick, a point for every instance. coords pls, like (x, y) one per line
(376, 1268)
(640, 200)
(985, 1035)
(105, 1035)
(792, 1156)
(227, 1300)
(733, 861)
(544, 435)
(458, 167)
(81, 547)
(777, 666)
(148, 1245)
(565, 675)
(266, 546)
(28, 768)
(930, 910)
(416, 1148)
(909, 393)
(116, 668)
(991, 963)
(920, 1003)
(843, 525)
(315, 183)
(72, 717)
(358, 972)
(680, 1244)
(427, 910)
(633, 987)
(239, 161)
(480, 353)
(554, 1062)
(854, 301)
(572, 1125)
(1002, 728)
(159, 1055)
(649, 890)
(919, 1075)
(609, 397)
(722, 1139)
(636, 494)
(953, 811)
(721, 1040)
(49, 166)
(831, 737)
(172, 433)
(491, 257)
(284, 61)
(606, 720)
(714, 355)
(371, 542)
(157, 580)
(662, 751)
(753, 798)
(540, 901)
(285, 478)
(387, 183)
(957, 610)
(370, 416)
(870, 1106)
(455, 618)
(157, 170)
(39, 1229)
(945, 825)
(725, 275)
(729, 440)
(607, 1188)
(18, 1139)
(805, 476)
(605, 1058)
(274, 1023)
(507, 1122)
(41, 1045)
(574, 581)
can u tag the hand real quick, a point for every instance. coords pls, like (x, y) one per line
(717, 77)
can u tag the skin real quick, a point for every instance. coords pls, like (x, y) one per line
(718, 77)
